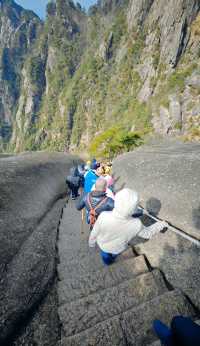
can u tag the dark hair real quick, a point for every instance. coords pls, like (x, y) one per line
(95, 165)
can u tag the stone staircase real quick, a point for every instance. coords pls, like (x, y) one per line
(113, 305)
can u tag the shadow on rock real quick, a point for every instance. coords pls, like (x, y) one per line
(153, 206)
(196, 217)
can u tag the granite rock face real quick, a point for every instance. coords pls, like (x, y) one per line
(178, 258)
(18, 31)
(32, 187)
(170, 19)
(166, 176)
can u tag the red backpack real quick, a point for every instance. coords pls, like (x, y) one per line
(92, 213)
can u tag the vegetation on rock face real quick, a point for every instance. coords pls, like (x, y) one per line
(96, 82)
(114, 141)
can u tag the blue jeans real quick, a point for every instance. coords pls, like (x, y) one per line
(107, 258)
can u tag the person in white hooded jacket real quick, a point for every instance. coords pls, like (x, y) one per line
(114, 229)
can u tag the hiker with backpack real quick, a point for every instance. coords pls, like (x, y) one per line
(96, 202)
(114, 229)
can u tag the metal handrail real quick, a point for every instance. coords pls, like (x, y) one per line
(173, 228)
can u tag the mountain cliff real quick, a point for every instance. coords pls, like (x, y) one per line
(100, 80)
(18, 31)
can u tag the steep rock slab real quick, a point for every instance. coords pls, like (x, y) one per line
(29, 275)
(178, 258)
(166, 176)
(31, 187)
(43, 328)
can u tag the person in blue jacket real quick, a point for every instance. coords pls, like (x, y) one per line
(91, 177)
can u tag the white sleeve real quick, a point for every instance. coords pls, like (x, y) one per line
(134, 229)
(94, 233)
(148, 232)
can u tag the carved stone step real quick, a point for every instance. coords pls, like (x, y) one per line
(86, 312)
(133, 327)
(72, 287)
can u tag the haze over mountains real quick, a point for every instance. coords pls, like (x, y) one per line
(127, 66)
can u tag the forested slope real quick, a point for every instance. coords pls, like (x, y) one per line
(106, 79)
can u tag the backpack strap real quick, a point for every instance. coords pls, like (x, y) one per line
(98, 204)
(89, 201)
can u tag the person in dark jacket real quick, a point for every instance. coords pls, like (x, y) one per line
(73, 182)
(96, 197)
(81, 173)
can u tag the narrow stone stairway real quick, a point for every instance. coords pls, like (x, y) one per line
(115, 305)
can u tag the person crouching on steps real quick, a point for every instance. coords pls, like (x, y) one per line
(114, 229)
(96, 202)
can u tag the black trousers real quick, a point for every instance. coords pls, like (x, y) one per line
(74, 189)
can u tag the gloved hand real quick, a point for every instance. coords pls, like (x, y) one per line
(92, 242)
(160, 225)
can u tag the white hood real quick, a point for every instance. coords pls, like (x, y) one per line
(126, 202)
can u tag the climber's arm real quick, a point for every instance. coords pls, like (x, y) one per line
(149, 232)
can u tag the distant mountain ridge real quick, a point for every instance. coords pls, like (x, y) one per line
(130, 65)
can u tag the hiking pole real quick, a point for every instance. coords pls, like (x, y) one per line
(173, 228)
(82, 220)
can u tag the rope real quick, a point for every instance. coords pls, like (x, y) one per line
(174, 229)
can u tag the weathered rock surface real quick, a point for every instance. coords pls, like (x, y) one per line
(173, 20)
(166, 176)
(31, 190)
(43, 327)
(178, 259)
